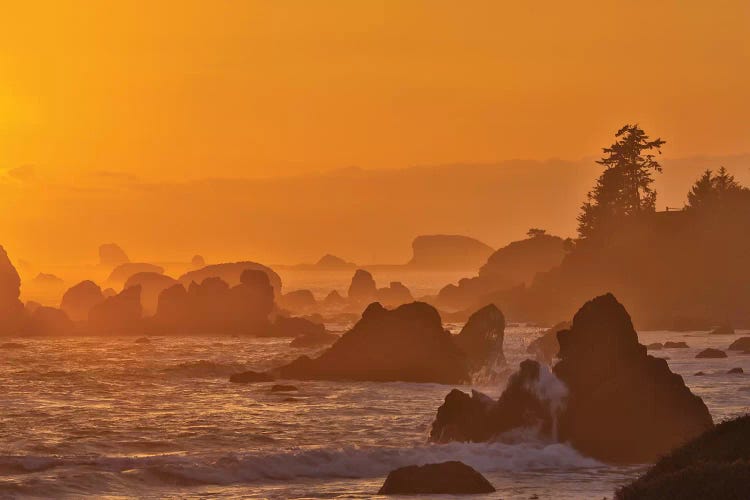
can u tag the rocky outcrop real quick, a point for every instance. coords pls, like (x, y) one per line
(394, 295)
(123, 272)
(152, 284)
(80, 298)
(404, 344)
(741, 344)
(711, 353)
(11, 308)
(111, 255)
(481, 339)
(546, 347)
(448, 252)
(329, 261)
(675, 345)
(723, 330)
(611, 400)
(713, 466)
(120, 314)
(230, 273)
(362, 288)
(285, 326)
(214, 307)
(298, 301)
(49, 321)
(447, 478)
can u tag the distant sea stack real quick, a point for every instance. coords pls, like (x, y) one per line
(329, 261)
(230, 273)
(111, 255)
(448, 252)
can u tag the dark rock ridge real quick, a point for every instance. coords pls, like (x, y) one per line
(230, 273)
(446, 478)
(741, 344)
(285, 326)
(404, 344)
(123, 272)
(711, 353)
(481, 338)
(80, 298)
(713, 466)
(448, 252)
(613, 402)
(675, 345)
(546, 347)
(111, 255)
(362, 288)
(656, 346)
(120, 314)
(11, 308)
(214, 307)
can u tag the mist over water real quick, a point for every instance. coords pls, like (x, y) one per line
(110, 416)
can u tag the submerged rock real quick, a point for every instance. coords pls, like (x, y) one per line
(250, 377)
(404, 344)
(675, 345)
(713, 466)
(711, 353)
(481, 338)
(735, 371)
(447, 478)
(611, 400)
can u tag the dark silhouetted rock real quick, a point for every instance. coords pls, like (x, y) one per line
(298, 301)
(735, 371)
(447, 478)
(314, 340)
(111, 255)
(11, 308)
(362, 288)
(283, 388)
(143, 340)
(448, 252)
(711, 353)
(123, 272)
(152, 284)
(713, 466)
(250, 377)
(80, 298)
(12, 345)
(656, 346)
(723, 330)
(197, 262)
(546, 347)
(741, 344)
(230, 273)
(675, 345)
(404, 344)
(394, 295)
(613, 401)
(481, 338)
(50, 321)
(329, 261)
(212, 307)
(699, 374)
(120, 314)
(284, 326)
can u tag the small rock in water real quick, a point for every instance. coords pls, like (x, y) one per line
(12, 345)
(143, 340)
(283, 388)
(699, 374)
(741, 344)
(656, 346)
(453, 477)
(723, 330)
(675, 345)
(250, 377)
(735, 371)
(711, 353)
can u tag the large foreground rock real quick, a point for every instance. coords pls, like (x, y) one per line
(447, 478)
(608, 398)
(404, 344)
(714, 466)
(481, 338)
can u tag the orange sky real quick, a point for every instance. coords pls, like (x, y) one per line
(158, 91)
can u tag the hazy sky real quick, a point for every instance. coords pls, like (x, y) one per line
(261, 88)
(106, 107)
